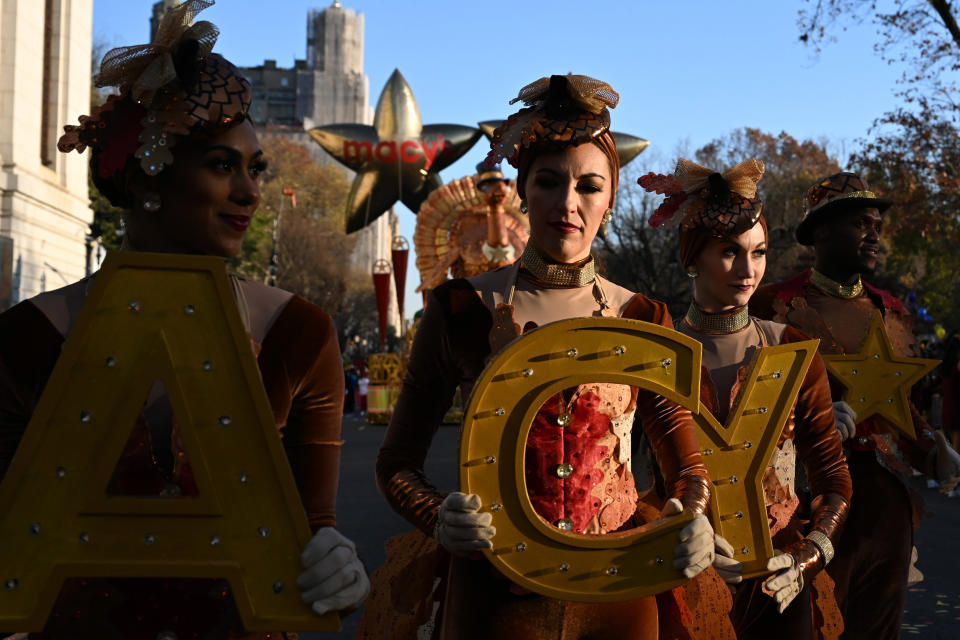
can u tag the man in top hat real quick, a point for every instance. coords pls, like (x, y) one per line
(831, 302)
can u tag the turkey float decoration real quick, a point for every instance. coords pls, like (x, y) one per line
(468, 227)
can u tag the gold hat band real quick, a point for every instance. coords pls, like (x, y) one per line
(853, 194)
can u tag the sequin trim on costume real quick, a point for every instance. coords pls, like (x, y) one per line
(834, 288)
(724, 322)
(559, 275)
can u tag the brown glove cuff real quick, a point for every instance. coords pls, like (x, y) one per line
(829, 513)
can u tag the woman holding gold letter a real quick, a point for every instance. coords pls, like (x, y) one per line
(177, 150)
(723, 241)
(567, 165)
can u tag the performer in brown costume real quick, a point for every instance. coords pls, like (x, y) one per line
(567, 175)
(831, 302)
(723, 241)
(197, 198)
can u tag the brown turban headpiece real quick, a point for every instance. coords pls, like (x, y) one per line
(560, 112)
(172, 86)
(706, 203)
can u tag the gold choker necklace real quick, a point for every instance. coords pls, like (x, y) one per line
(557, 275)
(834, 288)
(724, 322)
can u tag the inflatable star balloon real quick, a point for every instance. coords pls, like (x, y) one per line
(398, 158)
(628, 147)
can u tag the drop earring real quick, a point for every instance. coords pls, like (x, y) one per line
(607, 216)
(151, 203)
(523, 206)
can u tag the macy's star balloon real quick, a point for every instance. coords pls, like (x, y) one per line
(398, 158)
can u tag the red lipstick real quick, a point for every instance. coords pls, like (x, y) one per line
(237, 223)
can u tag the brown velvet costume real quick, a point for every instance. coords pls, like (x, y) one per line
(873, 554)
(465, 323)
(299, 361)
(809, 437)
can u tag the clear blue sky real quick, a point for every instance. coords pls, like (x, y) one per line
(687, 71)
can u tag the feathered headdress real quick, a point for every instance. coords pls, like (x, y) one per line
(560, 110)
(701, 197)
(171, 86)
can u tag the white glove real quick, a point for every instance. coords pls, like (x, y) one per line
(845, 419)
(334, 578)
(461, 528)
(729, 569)
(695, 551)
(788, 581)
(947, 460)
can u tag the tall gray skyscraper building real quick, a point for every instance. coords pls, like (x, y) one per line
(333, 87)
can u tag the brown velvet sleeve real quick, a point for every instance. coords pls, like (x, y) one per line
(669, 427)
(29, 349)
(302, 371)
(426, 395)
(821, 452)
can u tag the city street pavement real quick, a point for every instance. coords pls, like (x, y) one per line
(363, 515)
(933, 606)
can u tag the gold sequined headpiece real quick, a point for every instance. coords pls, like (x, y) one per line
(700, 197)
(560, 110)
(170, 87)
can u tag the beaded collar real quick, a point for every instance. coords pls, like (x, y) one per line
(724, 322)
(834, 288)
(557, 275)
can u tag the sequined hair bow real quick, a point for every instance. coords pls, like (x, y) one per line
(697, 196)
(559, 110)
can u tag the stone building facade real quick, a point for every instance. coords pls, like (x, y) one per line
(45, 49)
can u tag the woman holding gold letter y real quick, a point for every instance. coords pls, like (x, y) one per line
(723, 243)
(567, 165)
(177, 150)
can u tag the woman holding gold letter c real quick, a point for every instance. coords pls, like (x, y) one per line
(723, 241)
(578, 476)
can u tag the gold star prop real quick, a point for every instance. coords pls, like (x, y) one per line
(877, 380)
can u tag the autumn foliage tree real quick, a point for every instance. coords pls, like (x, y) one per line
(913, 157)
(313, 252)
